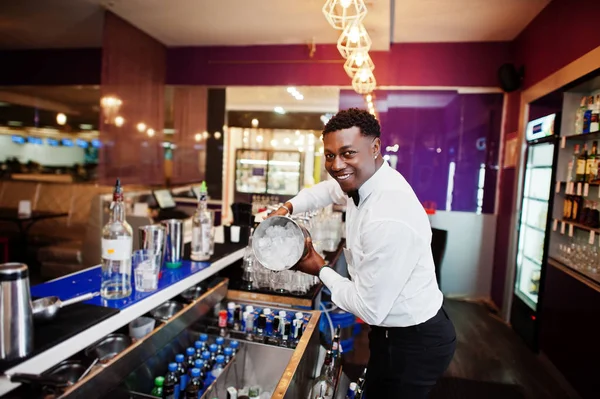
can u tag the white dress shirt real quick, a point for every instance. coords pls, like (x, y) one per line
(388, 251)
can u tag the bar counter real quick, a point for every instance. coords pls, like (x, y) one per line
(122, 312)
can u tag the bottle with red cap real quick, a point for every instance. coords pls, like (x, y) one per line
(223, 323)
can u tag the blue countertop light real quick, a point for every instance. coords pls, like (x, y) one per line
(88, 280)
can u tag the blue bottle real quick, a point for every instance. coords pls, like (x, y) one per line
(171, 386)
(195, 385)
(204, 339)
(219, 366)
(200, 366)
(206, 360)
(199, 350)
(220, 342)
(182, 372)
(228, 355)
(269, 328)
(234, 345)
(213, 354)
(190, 359)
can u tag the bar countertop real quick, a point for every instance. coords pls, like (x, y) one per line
(172, 283)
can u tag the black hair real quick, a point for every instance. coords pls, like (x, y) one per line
(368, 125)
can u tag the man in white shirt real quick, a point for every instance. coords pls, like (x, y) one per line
(392, 284)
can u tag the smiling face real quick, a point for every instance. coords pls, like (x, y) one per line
(351, 158)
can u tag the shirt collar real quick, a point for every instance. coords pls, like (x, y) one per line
(370, 185)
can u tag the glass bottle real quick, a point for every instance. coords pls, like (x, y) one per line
(202, 228)
(171, 383)
(117, 248)
(581, 163)
(248, 265)
(323, 387)
(157, 391)
(591, 166)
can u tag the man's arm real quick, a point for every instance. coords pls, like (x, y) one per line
(382, 273)
(317, 197)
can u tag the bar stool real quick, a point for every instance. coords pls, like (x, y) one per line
(4, 244)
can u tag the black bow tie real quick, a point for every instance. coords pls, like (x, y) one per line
(354, 196)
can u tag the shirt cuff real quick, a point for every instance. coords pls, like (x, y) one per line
(329, 276)
(297, 205)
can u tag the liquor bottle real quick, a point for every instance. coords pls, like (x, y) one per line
(230, 314)
(581, 162)
(360, 384)
(269, 323)
(567, 207)
(587, 115)
(261, 327)
(579, 116)
(335, 344)
(117, 247)
(595, 118)
(202, 228)
(222, 323)
(591, 165)
(324, 387)
(571, 175)
(248, 261)
(171, 384)
(195, 385)
(157, 391)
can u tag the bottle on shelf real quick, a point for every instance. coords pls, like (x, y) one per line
(171, 386)
(567, 207)
(594, 119)
(218, 367)
(117, 248)
(202, 228)
(157, 391)
(351, 394)
(234, 345)
(220, 341)
(204, 340)
(269, 322)
(199, 364)
(587, 115)
(335, 344)
(579, 115)
(572, 166)
(248, 262)
(591, 167)
(228, 354)
(360, 384)
(230, 314)
(190, 358)
(581, 163)
(223, 323)
(206, 368)
(213, 354)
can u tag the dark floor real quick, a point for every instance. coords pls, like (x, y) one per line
(490, 361)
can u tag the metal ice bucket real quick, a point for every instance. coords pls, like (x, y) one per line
(300, 234)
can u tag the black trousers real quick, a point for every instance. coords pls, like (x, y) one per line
(406, 362)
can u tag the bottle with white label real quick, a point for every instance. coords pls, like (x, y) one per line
(203, 241)
(117, 246)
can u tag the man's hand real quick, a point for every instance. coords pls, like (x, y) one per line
(282, 211)
(312, 263)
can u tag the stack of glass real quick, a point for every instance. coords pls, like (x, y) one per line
(325, 228)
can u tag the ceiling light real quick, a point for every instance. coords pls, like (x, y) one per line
(119, 121)
(291, 90)
(205, 135)
(274, 143)
(259, 139)
(364, 81)
(354, 38)
(254, 122)
(340, 13)
(141, 127)
(218, 135)
(245, 140)
(279, 110)
(246, 133)
(297, 132)
(299, 97)
(286, 140)
(197, 137)
(356, 60)
(110, 108)
(150, 132)
(61, 119)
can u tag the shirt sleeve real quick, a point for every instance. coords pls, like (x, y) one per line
(389, 258)
(318, 196)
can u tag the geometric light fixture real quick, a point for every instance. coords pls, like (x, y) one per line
(356, 60)
(354, 38)
(341, 13)
(110, 108)
(364, 81)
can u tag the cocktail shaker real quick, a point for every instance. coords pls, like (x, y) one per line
(16, 318)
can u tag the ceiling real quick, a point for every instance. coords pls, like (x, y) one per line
(70, 24)
(321, 99)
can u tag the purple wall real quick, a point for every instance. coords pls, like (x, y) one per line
(51, 67)
(564, 31)
(415, 64)
(433, 129)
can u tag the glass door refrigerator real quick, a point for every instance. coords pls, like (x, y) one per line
(534, 225)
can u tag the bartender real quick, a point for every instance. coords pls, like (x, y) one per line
(392, 284)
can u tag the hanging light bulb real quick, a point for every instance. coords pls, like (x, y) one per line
(364, 81)
(356, 61)
(340, 13)
(354, 38)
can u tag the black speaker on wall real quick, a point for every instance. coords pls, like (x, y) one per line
(510, 77)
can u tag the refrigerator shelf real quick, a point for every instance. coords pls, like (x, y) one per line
(579, 225)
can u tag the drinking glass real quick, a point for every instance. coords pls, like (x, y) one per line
(146, 266)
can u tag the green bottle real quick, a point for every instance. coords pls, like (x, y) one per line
(157, 391)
